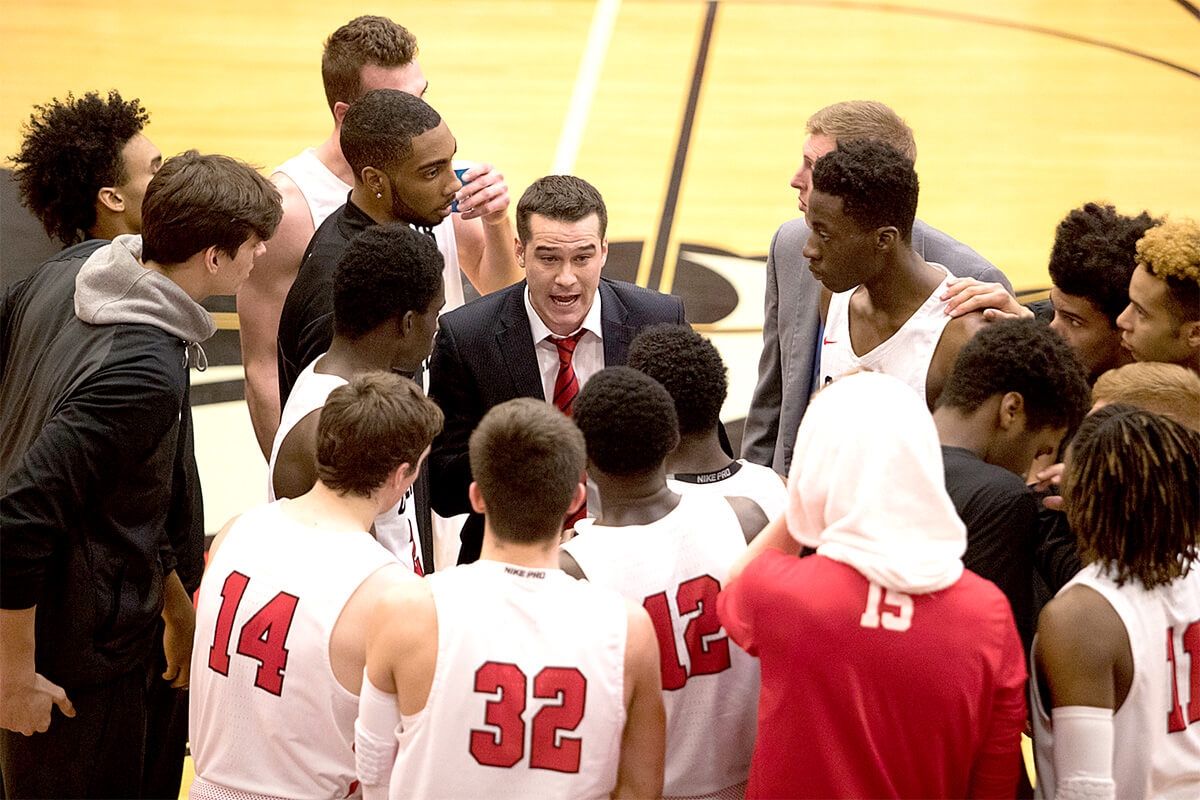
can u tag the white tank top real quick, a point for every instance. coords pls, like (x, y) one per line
(396, 528)
(674, 568)
(325, 193)
(906, 354)
(528, 696)
(1156, 731)
(267, 715)
(740, 479)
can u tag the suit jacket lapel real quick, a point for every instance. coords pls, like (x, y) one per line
(618, 333)
(515, 340)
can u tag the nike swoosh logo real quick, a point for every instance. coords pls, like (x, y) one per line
(828, 341)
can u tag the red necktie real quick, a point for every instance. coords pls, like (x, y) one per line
(566, 386)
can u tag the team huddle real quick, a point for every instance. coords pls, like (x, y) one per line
(955, 518)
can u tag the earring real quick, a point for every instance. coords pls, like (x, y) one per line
(379, 195)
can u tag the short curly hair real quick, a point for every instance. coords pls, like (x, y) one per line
(363, 41)
(1170, 251)
(1025, 356)
(71, 150)
(386, 271)
(369, 427)
(1094, 255)
(527, 458)
(689, 368)
(877, 184)
(628, 420)
(379, 127)
(1129, 492)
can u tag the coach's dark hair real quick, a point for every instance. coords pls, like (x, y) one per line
(628, 420)
(877, 184)
(527, 458)
(1095, 254)
(366, 40)
(1130, 495)
(379, 127)
(369, 427)
(689, 368)
(199, 201)
(562, 198)
(386, 271)
(1025, 356)
(71, 150)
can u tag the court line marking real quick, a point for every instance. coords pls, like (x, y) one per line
(657, 273)
(570, 139)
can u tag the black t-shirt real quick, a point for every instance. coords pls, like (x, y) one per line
(306, 325)
(1001, 515)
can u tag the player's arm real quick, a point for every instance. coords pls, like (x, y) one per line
(1083, 658)
(296, 464)
(956, 334)
(964, 295)
(179, 628)
(26, 698)
(260, 303)
(484, 232)
(750, 515)
(762, 421)
(401, 655)
(774, 536)
(644, 742)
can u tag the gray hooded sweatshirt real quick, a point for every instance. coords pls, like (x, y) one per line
(98, 498)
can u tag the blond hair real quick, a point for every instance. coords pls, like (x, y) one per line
(864, 119)
(1168, 390)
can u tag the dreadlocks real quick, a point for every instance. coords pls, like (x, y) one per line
(1130, 495)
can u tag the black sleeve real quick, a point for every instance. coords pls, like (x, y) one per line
(453, 389)
(104, 430)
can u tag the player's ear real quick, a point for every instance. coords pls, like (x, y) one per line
(886, 238)
(519, 249)
(1012, 411)
(476, 497)
(1191, 334)
(110, 198)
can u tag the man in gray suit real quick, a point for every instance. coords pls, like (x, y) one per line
(792, 321)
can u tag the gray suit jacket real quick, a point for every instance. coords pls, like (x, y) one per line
(791, 328)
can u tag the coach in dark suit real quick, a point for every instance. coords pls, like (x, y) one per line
(508, 344)
(791, 320)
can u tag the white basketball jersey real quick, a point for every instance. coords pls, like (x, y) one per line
(674, 568)
(906, 354)
(1156, 731)
(528, 696)
(740, 479)
(325, 193)
(268, 717)
(396, 528)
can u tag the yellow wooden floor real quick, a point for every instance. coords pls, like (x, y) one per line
(1022, 111)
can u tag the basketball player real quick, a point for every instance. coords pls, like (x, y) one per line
(1162, 322)
(1117, 700)
(281, 620)
(887, 669)
(691, 370)
(670, 553)
(861, 212)
(387, 292)
(369, 52)
(505, 677)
